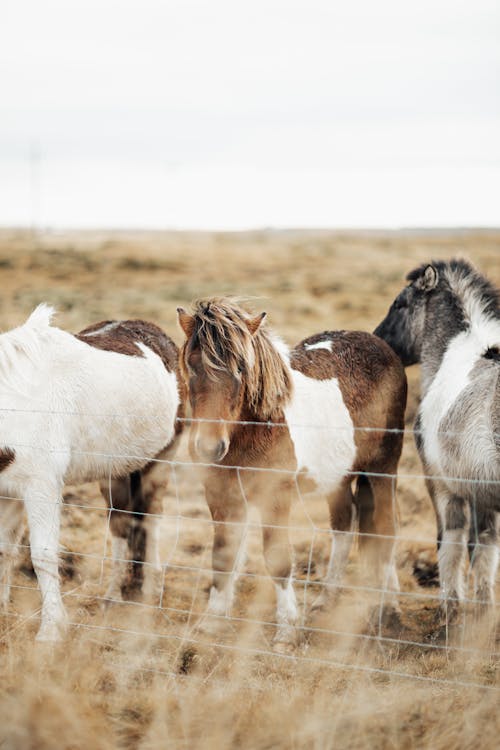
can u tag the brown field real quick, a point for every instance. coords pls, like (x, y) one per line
(137, 676)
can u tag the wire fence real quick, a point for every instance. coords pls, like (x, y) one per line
(352, 634)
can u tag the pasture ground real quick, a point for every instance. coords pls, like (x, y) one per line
(137, 676)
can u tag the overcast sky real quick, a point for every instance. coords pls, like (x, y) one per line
(230, 114)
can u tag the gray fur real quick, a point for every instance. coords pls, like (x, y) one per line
(459, 449)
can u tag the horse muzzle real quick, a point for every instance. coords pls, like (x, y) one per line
(211, 452)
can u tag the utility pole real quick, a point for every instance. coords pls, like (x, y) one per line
(35, 188)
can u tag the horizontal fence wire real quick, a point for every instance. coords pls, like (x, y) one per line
(235, 422)
(184, 620)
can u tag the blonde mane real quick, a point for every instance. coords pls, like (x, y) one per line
(222, 335)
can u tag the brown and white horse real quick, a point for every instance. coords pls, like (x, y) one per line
(292, 420)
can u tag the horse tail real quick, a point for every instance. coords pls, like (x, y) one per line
(137, 532)
(365, 506)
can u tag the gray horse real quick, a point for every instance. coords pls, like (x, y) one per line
(448, 319)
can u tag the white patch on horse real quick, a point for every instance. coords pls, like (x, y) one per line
(286, 603)
(153, 571)
(120, 556)
(148, 417)
(327, 344)
(220, 602)
(451, 557)
(460, 357)
(484, 567)
(104, 329)
(321, 430)
(339, 554)
(465, 287)
(11, 531)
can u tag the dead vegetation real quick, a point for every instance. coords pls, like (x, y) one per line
(134, 676)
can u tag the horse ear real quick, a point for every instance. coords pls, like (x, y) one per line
(253, 324)
(429, 279)
(186, 321)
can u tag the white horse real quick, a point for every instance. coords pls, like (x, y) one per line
(95, 406)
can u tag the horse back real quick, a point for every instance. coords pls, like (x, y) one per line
(373, 385)
(123, 337)
(366, 368)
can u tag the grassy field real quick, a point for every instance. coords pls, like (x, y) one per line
(136, 676)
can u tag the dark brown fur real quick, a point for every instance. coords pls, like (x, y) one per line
(125, 335)
(374, 389)
(7, 456)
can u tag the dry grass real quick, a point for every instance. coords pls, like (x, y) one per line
(139, 677)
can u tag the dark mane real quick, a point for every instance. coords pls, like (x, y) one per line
(473, 289)
(221, 334)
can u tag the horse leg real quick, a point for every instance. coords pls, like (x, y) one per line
(483, 543)
(384, 525)
(341, 521)
(228, 509)
(154, 486)
(43, 506)
(454, 513)
(275, 512)
(11, 531)
(426, 571)
(118, 495)
(136, 503)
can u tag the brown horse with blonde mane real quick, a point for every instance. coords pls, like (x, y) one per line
(271, 422)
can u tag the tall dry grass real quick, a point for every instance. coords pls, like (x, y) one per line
(133, 676)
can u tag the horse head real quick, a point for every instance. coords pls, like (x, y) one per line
(217, 362)
(403, 326)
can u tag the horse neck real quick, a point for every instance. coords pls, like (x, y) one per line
(443, 322)
(257, 441)
(449, 316)
(249, 414)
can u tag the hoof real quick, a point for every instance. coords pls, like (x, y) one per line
(152, 588)
(188, 660)
(324, 601)
(448, 612)
(484, 602)
(444, 633)
(285, 640)
(389, 618)
(210, 625)
(445, 624)
(426, 573)
(318, 605)
(52, 632)
(109, 602)
(439, 634)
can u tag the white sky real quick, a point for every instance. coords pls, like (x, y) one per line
(231, 114)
